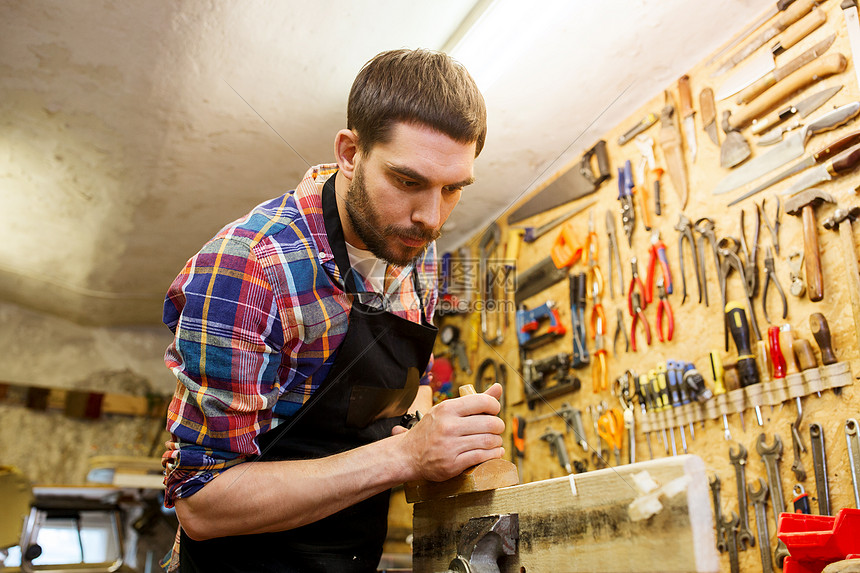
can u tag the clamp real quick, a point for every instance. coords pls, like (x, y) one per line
(770, 276)
(664, 309)
(657, 251)
(685, 228)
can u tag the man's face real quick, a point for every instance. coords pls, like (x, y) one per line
(403, 191)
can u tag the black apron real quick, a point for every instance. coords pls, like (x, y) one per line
(372, 381)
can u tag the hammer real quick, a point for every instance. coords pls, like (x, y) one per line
(849, 254)
(804, 204)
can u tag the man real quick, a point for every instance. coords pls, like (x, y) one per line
(296, 357)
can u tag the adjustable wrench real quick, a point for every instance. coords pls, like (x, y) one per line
(852, 436)
(744, 536)
(722, 541)
(819, 463)
(759, 500)
(770, 455)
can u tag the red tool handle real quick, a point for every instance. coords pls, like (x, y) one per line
(776, 357)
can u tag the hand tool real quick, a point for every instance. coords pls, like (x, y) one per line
(610, 427)
(804, 204)
(489, 242)
(529, 322)
(805, 357)
(807, 24)
(720, 389)
(821, 332)
(518, 439)
(638, 316)
(773, 227)
(657, 175)
(573, 422)
(759, 501)
(852, 437)
(643, 124)
(789, 17)
(780, 6)
(626, 399)
(799, 110)
(728, 248)
(807, 75)
(597, 458)
(852, 24)
(841, 165)
(664, 309)
(599, 373)
(746, 364)
(532, 234)
(656, 252)
(798, 448)
(733, 382)
(780, 366)
(643, 395)
(709, 115)
(670, 143)
(620, 329)
(731, 528)
(801, 500)
(614, 256)
(685, 230)
(751, 254)
(557, 448)
(490, 372)
(580, 356)
(772, 75)
(449, 335)
(484, 541)
(722, 542)
(579, 181)
(548, 377)
(641, 190)
(842, 220)
(770, 276)
(660, 390)
(594, 276)
(789, 149)
(770, 456)
(625, 197)
(827, 152)
(795, 264)
(540, 277)
(705, 227)
(678, 397)
(685, 99)
(744, 537)
(775, 135)
(819, 465)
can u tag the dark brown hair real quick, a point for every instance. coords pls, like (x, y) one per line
(416, 86)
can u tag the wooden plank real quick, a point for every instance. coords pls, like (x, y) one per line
(590, 529)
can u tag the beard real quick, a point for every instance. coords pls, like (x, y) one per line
(382, 240)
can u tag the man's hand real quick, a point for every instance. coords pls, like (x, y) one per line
(455, 435)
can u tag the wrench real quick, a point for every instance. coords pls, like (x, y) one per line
(819, 466)
(759, 500)
(852, 436)
(731, 527)
(798, 447)
(744, 536)
(722, 543)
(770, 455)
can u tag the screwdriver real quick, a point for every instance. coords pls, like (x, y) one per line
(746, 365)
(778, 359)
(821, 331)
(665, 405)
(679, 398)
(720, 390)
(786, 343)
(654, 403)
(518, 435)
(641, 384)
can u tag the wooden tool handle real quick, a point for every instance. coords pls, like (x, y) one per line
(685, 97)
(811, 255)
(837, 147)
(756, 88)
(846, 163)
(805, 354)
(707, 106)
(794, 13)
(821, 331)
(467, 389)
(786, 341)
(852, 271)
(803, 28)
(808, 74)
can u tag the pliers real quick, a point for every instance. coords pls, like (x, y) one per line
(638, 316)
(664, 308)
(657, 251)
(751, 254)
(620, 329)
(614, 254)
(772, 227)
(685, 228)
(599, 374)
(595, 277)
(770, 275)
(635, 282)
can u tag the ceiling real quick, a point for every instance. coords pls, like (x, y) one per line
(130, 132)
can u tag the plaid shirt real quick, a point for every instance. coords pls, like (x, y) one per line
(257, 315)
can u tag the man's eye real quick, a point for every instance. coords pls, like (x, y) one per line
(407, 183)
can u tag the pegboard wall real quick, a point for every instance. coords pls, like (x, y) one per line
(698, 328)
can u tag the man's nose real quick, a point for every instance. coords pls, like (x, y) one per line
(428, 210)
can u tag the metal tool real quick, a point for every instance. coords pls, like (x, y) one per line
(770, 277)
(789, 149)
(573, 422)
(798, 448)
(646, 403)
(800, 110)
(807, 24)
(804, 204)
(842, 220)
(728, 249)
(839, 166)
(599, 373)
(780, 6)
(772, 226)
(488, 244)
(795, 264)
(625, 197)
(643, 124)
(770, 456)
(670, 143)
(664, 309)
(705, 228)
(625, 397)
(717, 373)
(685, 99)
(744, 536)
(610, 427)
(579, 181)
(577, 319)
(852, 437)
(532, 234)
(746, 364)
(557, 448)
(731, 528)
(751, 253)
(852, 24)
(685, 230)
(657, 252)
(776, 134)
(759, 501)
(709, 115)
(613, 256)
(819, 466)
(722, 542)
(620, 329)
(485, 540)
(597, 459)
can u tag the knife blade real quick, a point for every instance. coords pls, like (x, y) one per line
(774, 136)
(789, 17)
(802, 108)
(828, 151)
(844, 163)
(780, 6)
(670, 143)
(769, 79)
(687, 114)
(646, 122)
(709, 114)
(791, 148)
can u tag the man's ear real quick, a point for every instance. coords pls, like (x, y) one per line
(346, 151)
